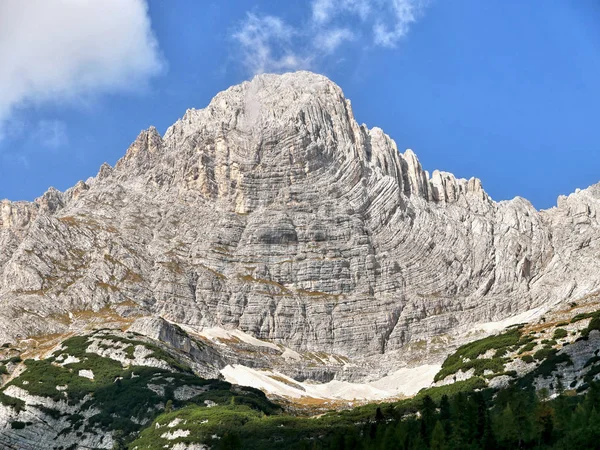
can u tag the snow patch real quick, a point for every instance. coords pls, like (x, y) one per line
(403, 382)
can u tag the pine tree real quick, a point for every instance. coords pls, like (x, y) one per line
(445, 416)
(544, 419)
(428, 417)
(523, 406)
(461, 421)
(481, 414)
(506, 428)
(488, 440)
(230, 441)
(378, 415)
(438, 437)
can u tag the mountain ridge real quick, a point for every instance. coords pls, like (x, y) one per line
(272, 211)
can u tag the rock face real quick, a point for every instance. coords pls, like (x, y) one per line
(273, 211)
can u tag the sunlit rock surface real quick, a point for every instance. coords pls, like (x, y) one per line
(274, 212)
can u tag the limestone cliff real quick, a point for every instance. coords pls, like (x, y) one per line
(273, 211)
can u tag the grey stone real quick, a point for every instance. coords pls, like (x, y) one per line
(273, 211)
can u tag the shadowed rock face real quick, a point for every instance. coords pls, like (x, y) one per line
(273, 211)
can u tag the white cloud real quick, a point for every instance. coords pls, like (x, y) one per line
(52, 133)
(331, 39)
(269, 44)
(266, 42)
(62, 50)
(404, 14)
(324, 11)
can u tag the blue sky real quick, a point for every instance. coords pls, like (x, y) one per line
(505, 90)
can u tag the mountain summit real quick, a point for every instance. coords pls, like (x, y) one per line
(273, 212)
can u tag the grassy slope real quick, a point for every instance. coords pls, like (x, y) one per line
(121, 393)
(226, 416)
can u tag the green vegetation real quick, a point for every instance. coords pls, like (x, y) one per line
(501, 352)
(593, 325)
(12, 360)
(527, 358)
(17, 425)
(237, 426)
(582, 316)
(544, 353)
(593, 360)
(560, 333)
(126, 396)
(527, 347)
(122, 394)
(138, 404)
(463, 419)
(546, 368)
(13, 402)
(467, 356)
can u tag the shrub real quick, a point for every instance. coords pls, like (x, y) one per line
(501, 352)
(592, 360)
(17, 425)
(16, 403)
(591, 374)
(547, 367)
(560, 333)
(12, 360)
(527, 347)
(580, 316)
(544, 353)
(466, 356)
(527, 358)
(593, 325)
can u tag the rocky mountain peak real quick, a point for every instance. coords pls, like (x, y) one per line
(274, 212)
(298, 125)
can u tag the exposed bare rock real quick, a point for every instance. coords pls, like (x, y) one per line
(274, 212)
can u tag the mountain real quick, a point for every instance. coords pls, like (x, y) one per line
(271, 240)
(273, 212)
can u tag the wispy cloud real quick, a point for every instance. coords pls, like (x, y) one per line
(323, 11)
(405, 13)
(266, 44)
(52, 134)
(63, 50)
(329, 40)
(270, 44)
